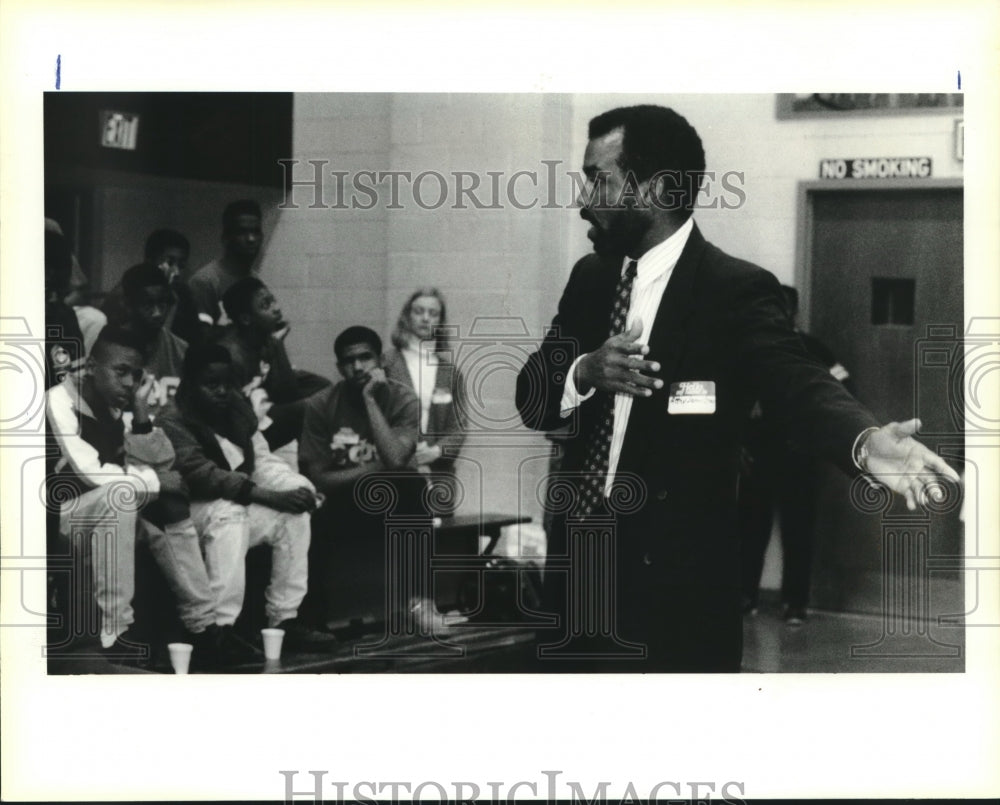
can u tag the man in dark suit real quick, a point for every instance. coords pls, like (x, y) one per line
(670, 341)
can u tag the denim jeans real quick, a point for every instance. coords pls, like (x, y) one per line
(108, 518)
(228, 530)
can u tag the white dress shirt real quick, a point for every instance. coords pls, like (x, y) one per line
(652, 273)
(422, 364)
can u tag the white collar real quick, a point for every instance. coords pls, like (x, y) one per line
(663, 256)
(427, 350)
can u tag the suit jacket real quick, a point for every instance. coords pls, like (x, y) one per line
(445, 426)
(721, 320)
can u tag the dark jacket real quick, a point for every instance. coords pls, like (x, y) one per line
(674, 535)
(200, 459)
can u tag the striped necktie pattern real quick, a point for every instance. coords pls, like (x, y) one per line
(595, 468)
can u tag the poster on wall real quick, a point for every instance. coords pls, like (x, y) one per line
(829, 104)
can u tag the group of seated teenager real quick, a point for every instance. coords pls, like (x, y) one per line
(190, 426)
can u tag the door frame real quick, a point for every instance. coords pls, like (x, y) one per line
(807, 192)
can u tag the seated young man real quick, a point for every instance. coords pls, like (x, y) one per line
(241, 494)
(365, 424)
(147, 306)
(167, 250)
(112, 486)
(242, 239)
(255, 340)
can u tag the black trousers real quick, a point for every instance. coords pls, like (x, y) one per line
(668, 601)
(785, 483)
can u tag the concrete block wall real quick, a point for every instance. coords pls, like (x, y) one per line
(327, 265)
(498, 264)
(334, 267)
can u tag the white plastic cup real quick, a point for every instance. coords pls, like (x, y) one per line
(180, 656)
(272, 642)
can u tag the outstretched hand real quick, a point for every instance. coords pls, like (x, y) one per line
(618, 366)
(904, 465)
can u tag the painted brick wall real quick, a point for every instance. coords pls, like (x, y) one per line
(331, 267)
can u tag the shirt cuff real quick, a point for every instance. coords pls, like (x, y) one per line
(859, 452)
(840, 372)
(572, 398)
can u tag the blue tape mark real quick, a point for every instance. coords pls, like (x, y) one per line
(58, 70)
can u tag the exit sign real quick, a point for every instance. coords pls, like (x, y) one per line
(119, 130)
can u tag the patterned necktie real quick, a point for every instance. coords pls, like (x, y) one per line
(595, 467)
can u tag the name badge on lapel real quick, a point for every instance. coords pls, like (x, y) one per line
(440, 397)
(692, 397)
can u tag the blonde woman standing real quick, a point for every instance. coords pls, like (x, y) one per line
(420, 359)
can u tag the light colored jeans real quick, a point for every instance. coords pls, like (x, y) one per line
(228, 530)
(109, 518)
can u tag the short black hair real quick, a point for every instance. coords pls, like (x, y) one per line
(234, 209)
(142, 276)
(656, 139)
(201, 355)
(357, 334)
(238, 298)
(112, 335)
(163, 239)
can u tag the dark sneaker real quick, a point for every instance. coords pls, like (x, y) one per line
(220, 647)
(231, 649)
(795, 616)
(748, 606)
(299, 637)
(129, 650)
(205, 656)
